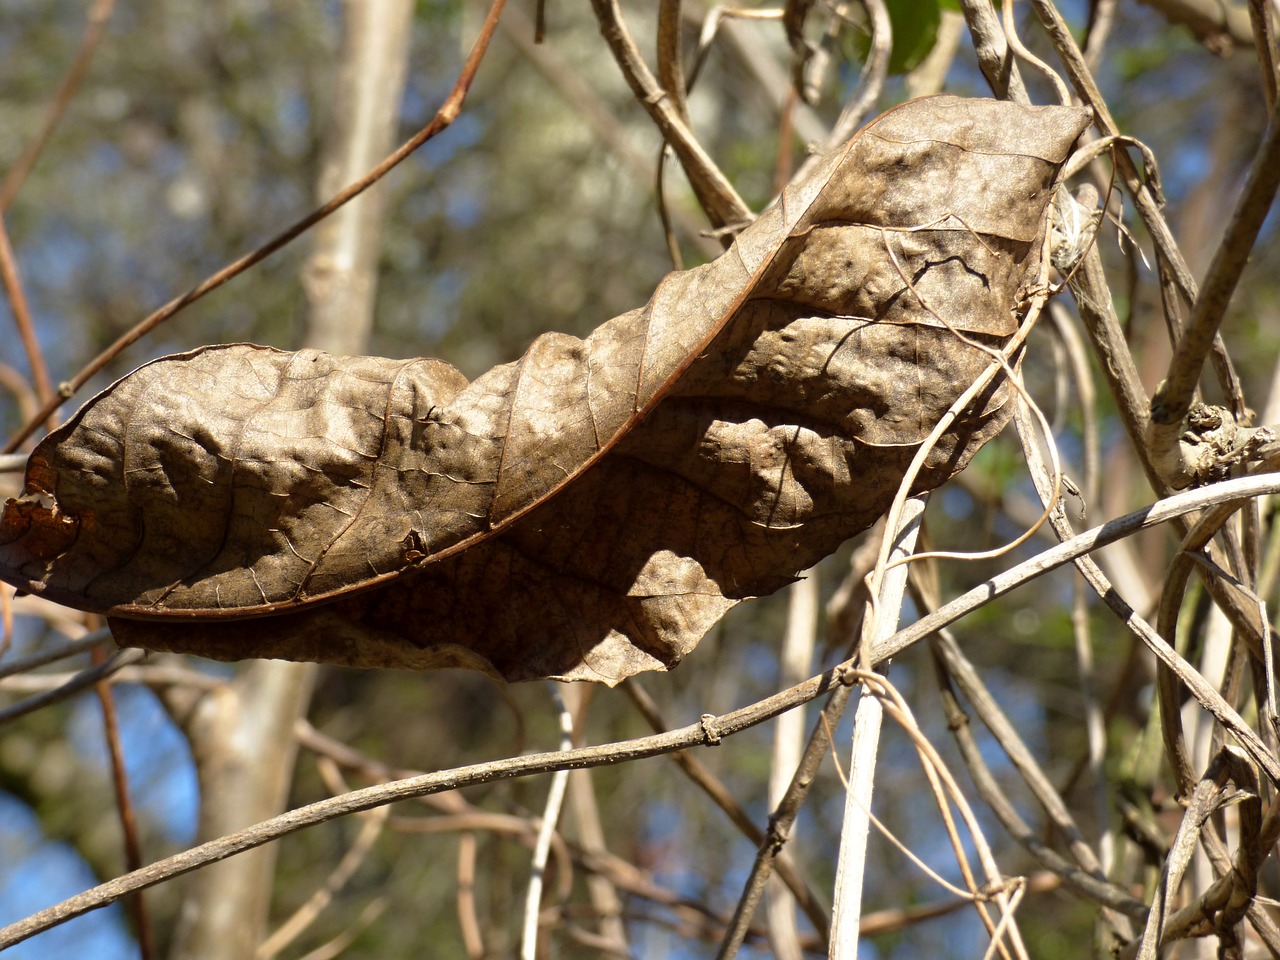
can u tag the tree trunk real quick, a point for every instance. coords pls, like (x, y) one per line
(242, 735)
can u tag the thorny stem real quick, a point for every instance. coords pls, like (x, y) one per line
(444, 117)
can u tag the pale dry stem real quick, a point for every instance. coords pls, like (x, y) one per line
(293, 926)
(694, 734)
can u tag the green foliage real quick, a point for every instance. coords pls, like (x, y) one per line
(915, 31)
(914, 24)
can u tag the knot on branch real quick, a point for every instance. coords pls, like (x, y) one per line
(710, 730)
(1209, 445)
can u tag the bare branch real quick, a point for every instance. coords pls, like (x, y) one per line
(443, 118)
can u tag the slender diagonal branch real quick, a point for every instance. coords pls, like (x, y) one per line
(441, 121)
(1173, 398)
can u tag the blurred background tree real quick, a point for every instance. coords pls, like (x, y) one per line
(199, 131)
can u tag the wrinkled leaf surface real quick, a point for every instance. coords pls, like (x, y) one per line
(590, 510)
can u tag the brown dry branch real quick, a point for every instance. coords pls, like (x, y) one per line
(591, 510)
(1180, 458)
(1221, 25)
(961, 672)
(97, 18)
(1085, 875)
(441, 121)
(1102, 15)
(1084, 882)
(992, 49)
(1145, 193)
(1264, 45)
(1168, 658)
(17, 298)
(723, 206)
(1207, 798)
(749, 46)
(125, 808)
(77, 684)
(719, 794)
(371, 828)
(1162, 511)
(870, 82)
(709, 730)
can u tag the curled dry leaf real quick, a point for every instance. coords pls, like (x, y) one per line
(590, 510)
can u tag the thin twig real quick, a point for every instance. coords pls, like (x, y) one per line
(1162, 511)
(871, 83)
(546, 831)
(1144, 195)
(1185, 922)
(124, 807)
(1174, 588)
(95, 25)
(868, 718)
(710, 729)
(723, 206)
(961, 671)
(338, 945)
(80, 682)
(723, 798)
(1016, 45)
(22, 320)
(53, 654)
(671, 54)
(1264, 44)
(946, 791)
(994, 58)
(1202, 802)
(1203, 691)
(1102, 14)
(305, 915)
(1173, 398)
(447, 113)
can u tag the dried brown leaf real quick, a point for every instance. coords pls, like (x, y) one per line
(590, 510)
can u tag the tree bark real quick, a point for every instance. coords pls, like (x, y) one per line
(242, 735)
